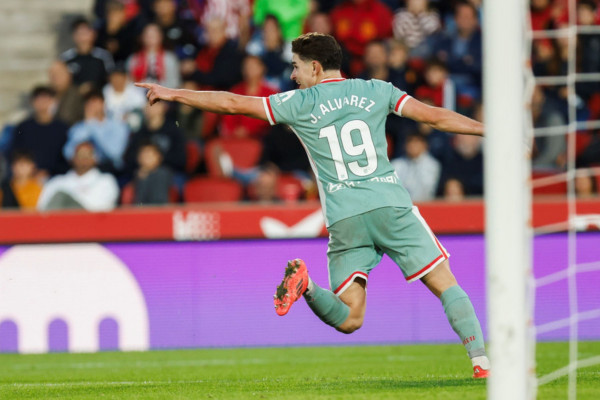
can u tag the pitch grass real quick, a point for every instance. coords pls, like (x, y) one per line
(362, 372)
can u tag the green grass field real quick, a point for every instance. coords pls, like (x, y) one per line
(363, 372)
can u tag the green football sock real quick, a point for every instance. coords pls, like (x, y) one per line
(463, 320)
(326, 305)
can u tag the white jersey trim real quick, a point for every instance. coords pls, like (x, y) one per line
(268, 111)
(400, 104)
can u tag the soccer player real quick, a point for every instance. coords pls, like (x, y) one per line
(341, 123)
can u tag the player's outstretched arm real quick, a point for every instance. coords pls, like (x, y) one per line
(441, 119)
(217, 102)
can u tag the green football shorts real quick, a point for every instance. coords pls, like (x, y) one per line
(356, 245)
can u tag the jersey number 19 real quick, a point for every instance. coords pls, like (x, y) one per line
(350, 148)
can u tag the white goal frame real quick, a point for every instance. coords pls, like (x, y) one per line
(508, 229)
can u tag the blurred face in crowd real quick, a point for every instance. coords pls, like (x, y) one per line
(416, 6)
(23, 168)
(149, 158)
(118, 80)
(265, 185)
(152, 37)
(539, 4)
(466, 20)
(60, 76)
(453, 190)
(584, 185)
(415, 146)
(376, 55)
(43, 105)
(398, 54)
(84, 37)
(320, 23)
(272, 31)
(467, 145)
(253, 69)
(435, 75)
(155, 114)
(215, 32)
(586, 15)
(165, 9)
(84, 158)
(94, 108)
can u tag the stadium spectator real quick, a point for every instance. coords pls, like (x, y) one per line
(153, 181)
(42, 135)
(264, 187)
(117, 31)
(291, 14)
(88, 64)
(254, 84)
(377, 66)
(268, 44)
(218, 63)
(178, 33)
(190, 119)
(70, 101)
(438, 87)
(108, 136)
(585, 185)
(161, 131)
(549, 152)
(133, 9)
(418, 171)
(465, 163)
(453, 190)
(122, 100)
(83, 187)
(588, 51)
(319, 22)
(462, 53)
(414, 24)
(358, 22)
(24, 188)
(235, 14)
(153, 63)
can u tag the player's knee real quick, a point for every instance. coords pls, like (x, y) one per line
(350, 325)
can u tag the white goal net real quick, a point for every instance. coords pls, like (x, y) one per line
(510, 90)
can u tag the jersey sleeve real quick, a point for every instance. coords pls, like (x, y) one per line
(398, 99)
(283, 108)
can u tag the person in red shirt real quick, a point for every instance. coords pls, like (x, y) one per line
(358, 22)
(254, 84)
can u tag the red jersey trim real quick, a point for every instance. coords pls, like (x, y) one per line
(399, 102)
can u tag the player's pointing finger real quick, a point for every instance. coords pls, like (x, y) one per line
(144, 85)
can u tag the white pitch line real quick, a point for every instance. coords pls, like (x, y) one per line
(99, 383)
(139, 364)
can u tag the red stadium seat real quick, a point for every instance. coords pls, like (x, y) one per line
(289, 188)
(128, 194)
(554, 188)
(244, 152)
(208, 189)
(193, 156)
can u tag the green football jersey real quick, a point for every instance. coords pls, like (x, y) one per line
(341, 124)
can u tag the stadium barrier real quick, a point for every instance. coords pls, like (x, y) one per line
(153, 292)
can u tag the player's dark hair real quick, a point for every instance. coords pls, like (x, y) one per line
(319, 47)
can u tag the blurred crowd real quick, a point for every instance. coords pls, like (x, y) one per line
(91, 141)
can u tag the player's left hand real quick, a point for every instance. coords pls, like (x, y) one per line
(156, 92)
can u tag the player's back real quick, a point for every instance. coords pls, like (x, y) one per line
(341, 123)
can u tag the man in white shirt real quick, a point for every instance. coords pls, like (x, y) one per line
(418, 171)
(83, 187)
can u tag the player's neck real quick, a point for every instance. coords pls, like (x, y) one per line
(330, 75)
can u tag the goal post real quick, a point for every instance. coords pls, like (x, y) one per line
(508, 201)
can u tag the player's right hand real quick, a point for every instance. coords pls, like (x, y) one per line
(156, 92)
